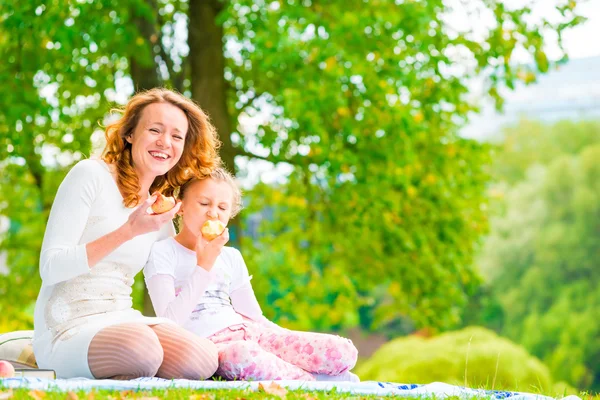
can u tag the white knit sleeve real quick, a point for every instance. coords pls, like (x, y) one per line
(62, 256)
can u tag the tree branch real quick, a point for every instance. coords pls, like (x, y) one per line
(180, 77)
(163, 51)
(145, 75)
(296, 161)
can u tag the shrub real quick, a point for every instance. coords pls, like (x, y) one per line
(490, 362)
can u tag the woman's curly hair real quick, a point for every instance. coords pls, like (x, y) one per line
(200, 152)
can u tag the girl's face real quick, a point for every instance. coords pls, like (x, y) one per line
(205, 200)
(158, 139)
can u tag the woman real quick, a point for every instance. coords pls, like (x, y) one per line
(99, 236)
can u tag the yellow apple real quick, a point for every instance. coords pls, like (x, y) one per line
(212, 228)
(162, 203)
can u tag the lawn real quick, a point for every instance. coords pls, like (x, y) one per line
(183, 394)
(189, 394)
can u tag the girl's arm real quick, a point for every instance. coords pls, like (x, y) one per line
(159, 274)
(244, 302)
(177, 307)
(242, 295)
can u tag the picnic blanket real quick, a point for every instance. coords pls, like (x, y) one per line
(437, 389)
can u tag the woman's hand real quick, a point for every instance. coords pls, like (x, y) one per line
(207, 252)
(140, 222)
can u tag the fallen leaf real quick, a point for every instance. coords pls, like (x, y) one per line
(274, 389)
(6, 395)
(37, 394)
(72, 396)
(202, 396)
(309, 396)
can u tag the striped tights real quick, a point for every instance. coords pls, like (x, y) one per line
(129, 351)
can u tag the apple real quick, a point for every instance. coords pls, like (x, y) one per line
(162, 203)
(212, 228)
(6, 369)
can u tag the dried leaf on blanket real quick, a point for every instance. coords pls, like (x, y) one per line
(6, 395)
(274, 389)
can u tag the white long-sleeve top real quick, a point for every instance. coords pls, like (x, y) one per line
(76, 301)
(202, 302)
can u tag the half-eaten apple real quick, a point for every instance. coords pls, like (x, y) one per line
(162, 203)
(212, 228)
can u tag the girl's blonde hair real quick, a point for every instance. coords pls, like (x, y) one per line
(220, 175)
(199, 157)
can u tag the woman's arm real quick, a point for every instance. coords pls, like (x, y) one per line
(62, 256)
(139, 222)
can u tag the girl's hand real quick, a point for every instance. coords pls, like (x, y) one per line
(207, 252)
(140, 222)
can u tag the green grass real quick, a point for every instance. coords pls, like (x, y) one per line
(182, 394)
(190, 394)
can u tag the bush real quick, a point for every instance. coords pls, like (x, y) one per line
(490, 361)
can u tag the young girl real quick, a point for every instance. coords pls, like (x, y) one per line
(205, 287)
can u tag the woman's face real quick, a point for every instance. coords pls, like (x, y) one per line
(157, 140)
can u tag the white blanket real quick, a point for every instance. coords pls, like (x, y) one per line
(440, 390)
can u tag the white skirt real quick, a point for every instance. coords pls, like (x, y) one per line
(69, 357)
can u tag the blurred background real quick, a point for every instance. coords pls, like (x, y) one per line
(421, 176)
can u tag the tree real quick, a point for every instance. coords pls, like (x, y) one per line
(384, 194)
(530, 143)
(56, 82)
(363, 105)
(541, 258)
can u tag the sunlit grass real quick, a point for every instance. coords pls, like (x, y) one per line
(210, 394)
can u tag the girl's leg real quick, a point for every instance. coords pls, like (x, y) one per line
(314, 352)
(125, 351)
(186, 356)
(246, 360)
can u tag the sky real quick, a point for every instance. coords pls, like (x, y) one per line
(583, 41)
(572, 91)
(580, 42)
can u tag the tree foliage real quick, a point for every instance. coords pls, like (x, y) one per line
(531, 143)
(542, 256)
(385, 200)
(385, 203)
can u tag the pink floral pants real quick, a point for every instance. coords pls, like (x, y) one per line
(250, 351)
